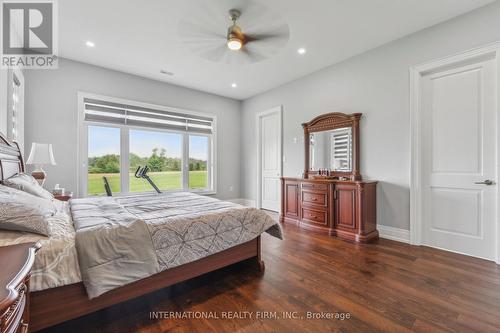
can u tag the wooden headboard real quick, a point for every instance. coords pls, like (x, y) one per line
(11, 158)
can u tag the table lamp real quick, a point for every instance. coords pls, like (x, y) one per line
(40, 154)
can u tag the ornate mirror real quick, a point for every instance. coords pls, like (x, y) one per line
(332, 145)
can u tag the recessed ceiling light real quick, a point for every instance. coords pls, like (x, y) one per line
(234, 85)
(90, 43)
(163, 71)
(301, 51)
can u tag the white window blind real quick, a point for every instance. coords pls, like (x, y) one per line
(16, 86)
(122, 114)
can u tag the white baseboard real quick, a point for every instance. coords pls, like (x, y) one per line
(395, 234)
(243, 202)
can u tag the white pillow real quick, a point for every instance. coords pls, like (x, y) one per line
(27, 183)
(21, 211)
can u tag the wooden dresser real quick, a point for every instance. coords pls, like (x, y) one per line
(16, 262)
(346, 209)
(331, 196)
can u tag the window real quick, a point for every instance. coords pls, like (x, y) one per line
(199, 151)
(103, 159)
(119, 136)
(15, 116)
(16, 87)
(162, 152)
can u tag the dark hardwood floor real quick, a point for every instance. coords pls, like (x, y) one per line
(386, 286)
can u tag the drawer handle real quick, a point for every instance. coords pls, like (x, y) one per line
(315, 199)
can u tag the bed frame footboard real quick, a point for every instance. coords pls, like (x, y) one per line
(53, 306)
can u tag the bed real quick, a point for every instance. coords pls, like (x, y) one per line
(106, 250)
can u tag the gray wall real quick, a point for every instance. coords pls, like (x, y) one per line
(377, 84)
(51, 115)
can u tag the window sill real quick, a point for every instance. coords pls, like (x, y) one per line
(205, 192)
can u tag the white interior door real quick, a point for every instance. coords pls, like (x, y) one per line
(459, 151)
(270, 159)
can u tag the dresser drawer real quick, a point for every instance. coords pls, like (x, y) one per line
(314, 198)
(316, 216)
(314, 186)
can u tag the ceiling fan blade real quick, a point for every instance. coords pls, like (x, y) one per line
(217, 53)
(190, 29)
(252, 55)
(266, 37)
(258, 18)
(266, 44)
(202, 36)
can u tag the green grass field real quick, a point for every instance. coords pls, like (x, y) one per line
(167, 180)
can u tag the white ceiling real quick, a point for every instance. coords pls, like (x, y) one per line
(141, 37)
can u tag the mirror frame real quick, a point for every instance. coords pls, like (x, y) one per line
(330, 121)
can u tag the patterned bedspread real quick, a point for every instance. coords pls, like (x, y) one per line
(116, 237)
(56, 264)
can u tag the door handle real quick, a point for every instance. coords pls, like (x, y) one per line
(485, 182)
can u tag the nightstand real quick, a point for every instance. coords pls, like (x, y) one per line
(63, 197)
(16, 262)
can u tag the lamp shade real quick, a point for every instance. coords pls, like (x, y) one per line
(41, 154)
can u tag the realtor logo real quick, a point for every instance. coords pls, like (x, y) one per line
(29, 34)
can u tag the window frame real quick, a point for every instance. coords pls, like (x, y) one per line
(210, 165)
(82, 139)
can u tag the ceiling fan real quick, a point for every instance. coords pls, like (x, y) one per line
(250, 33)
(235, 37)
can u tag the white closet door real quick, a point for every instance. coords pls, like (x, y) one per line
(270, 140)
(459, 159)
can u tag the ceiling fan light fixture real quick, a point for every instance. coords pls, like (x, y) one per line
(234, 44)
(234, 34)
(256, 40)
